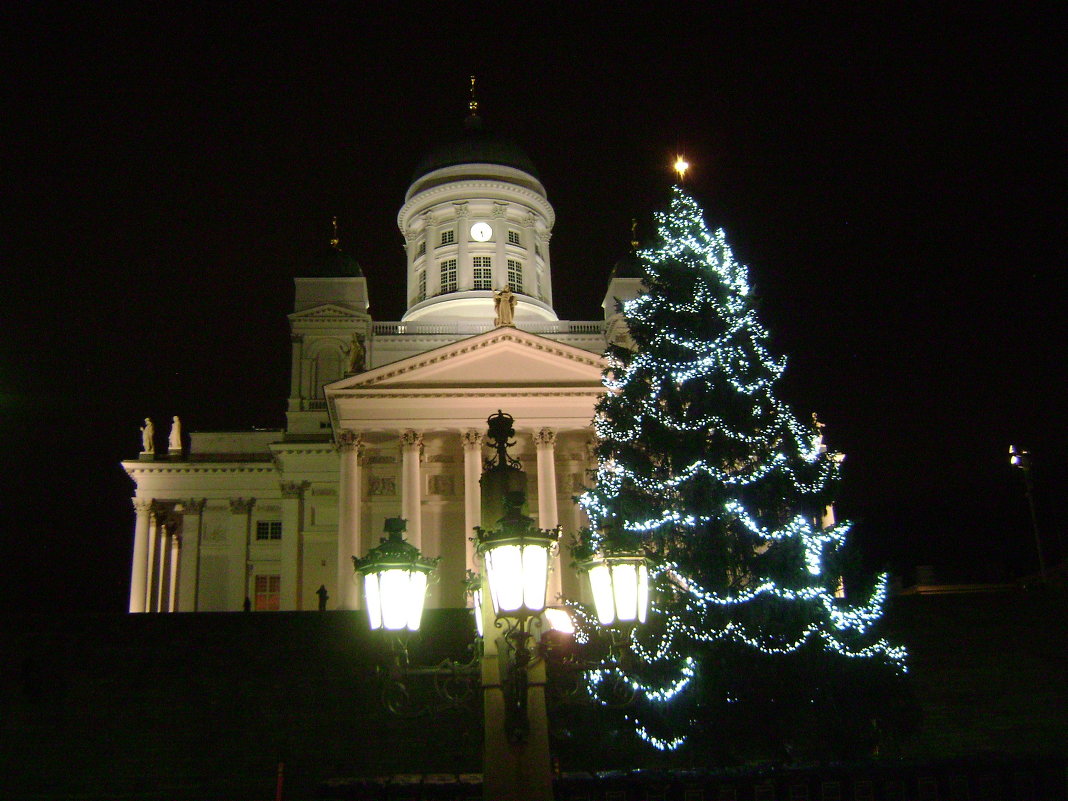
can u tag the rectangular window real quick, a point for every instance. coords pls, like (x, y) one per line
(268, 529)
(513, 237)
(422, 249)
(448, 276)
(448, 237)
(483, 271)
(515, 275)
(420, 284)
(268, 593)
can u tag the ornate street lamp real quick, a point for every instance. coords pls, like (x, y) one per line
(516, 556)
(395, 578)
(620, 584)
(618, 571)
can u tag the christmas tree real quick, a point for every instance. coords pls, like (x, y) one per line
(749, 644)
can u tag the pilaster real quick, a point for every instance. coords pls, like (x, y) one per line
(239, 536)
(189, 558)
(349, 539)
(291, 568)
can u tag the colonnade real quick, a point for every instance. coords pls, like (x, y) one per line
(157, 573)
(351, 541)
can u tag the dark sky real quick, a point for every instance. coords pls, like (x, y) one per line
(893, 177)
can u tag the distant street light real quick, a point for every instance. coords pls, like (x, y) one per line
(1021, 459)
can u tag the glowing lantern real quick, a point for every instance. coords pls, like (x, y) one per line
(395, 578)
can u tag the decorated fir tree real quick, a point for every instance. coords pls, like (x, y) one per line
(749, 647)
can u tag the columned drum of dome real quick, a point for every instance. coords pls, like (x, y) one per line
(476, 220)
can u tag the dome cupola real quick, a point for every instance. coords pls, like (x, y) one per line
(476, 219)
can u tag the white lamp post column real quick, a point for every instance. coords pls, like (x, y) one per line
(139, 568)
(350, 444)
(411, 495)
(548, 514)
(472, 441)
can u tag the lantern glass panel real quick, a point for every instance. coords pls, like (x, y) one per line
(601, 584)
(625, 590)
(535, 576)
(373, 598)
(643, 592)
(394, 590)
(504, 568)
(416, 597)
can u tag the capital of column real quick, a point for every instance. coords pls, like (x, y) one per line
(296, 337)
(241, 506)
(544, 438)
(410, 438)
(461, 209)
(348, 440)
(500, 209)
(142, 504)
(472, 438)
(294, 489)
(194, 506)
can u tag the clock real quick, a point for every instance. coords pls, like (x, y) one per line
(481, 232)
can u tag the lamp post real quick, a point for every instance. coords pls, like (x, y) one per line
(1021, 459)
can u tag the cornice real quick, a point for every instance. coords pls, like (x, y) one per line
(475, 344)
(133, 468)
(425, 198)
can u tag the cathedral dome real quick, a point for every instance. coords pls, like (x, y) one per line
(475, 146)
(331, 261)
(630, 266)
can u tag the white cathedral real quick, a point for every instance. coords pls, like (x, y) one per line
(386, 419)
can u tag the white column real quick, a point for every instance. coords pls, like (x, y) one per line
(411, 491)
(139, 569)
(472, 441)
(349, 543)
(163, 544)
(153, 573)
(291, 566)
(548, 514)
(176, 549)
(189, 558)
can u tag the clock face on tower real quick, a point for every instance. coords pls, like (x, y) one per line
(481, 232)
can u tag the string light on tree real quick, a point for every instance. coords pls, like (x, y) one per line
(726, 487)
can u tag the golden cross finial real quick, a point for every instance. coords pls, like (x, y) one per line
(472, 104)
(633, 234)
(335, 241)
(680, 166)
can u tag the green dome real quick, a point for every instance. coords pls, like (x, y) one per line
(333, 262)
(475, 146)
(630, 266)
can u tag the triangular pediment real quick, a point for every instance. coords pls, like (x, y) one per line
(503, 357)
(328, 311)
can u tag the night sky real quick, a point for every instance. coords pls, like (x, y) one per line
(893, 178)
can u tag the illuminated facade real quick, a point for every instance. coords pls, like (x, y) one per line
(386, 419)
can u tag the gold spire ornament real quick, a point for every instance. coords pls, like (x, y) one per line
(680, 166)
(472, 104)
(633, 234)
(335, 241)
